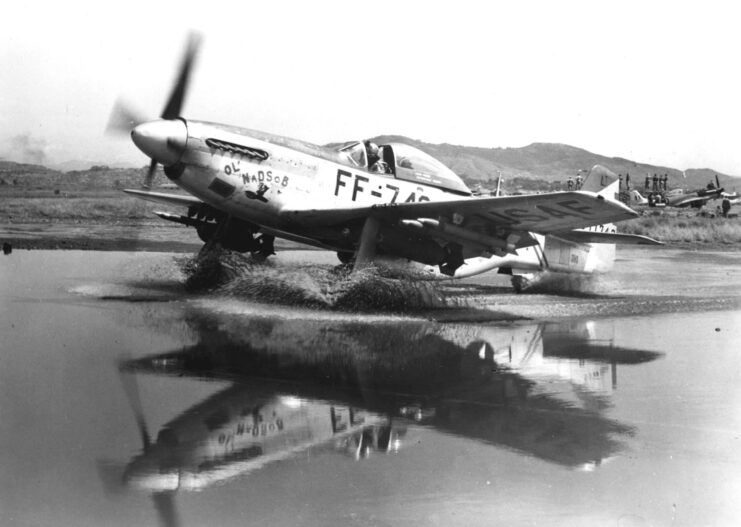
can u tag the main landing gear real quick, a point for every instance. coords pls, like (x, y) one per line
(404, 243)
(235, 235)
(215, 264)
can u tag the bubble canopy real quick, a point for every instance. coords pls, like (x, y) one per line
(412, 164)
(408, 163)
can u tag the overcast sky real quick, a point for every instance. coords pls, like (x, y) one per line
(655, 82)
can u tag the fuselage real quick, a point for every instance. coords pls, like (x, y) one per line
(259, 178)
(295, 174)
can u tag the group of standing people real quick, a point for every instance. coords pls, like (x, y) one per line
(656, 183)
(659, 182)
(627, 182)
(574, 184)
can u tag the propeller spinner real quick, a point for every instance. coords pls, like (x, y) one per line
(162, 140)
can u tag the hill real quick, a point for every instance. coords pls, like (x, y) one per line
(24, 177)
(539, 166)
(549, 162)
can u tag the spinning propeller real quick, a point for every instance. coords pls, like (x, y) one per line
(115, 476)
(163, 500)
(162, 140)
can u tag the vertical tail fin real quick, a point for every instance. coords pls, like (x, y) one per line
(602, 181)
(636, 198)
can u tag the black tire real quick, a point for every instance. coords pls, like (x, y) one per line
(520, 283)
(346, 257)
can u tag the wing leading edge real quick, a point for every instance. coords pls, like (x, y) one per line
(169, 199)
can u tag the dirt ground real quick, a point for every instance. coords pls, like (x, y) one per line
(147, 235)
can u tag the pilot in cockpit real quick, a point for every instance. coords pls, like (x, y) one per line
(376, 163)
(371, 150)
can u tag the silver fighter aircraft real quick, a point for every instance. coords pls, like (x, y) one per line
(367, 202)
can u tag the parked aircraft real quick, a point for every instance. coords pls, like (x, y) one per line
(680, 197)
(367, 202)
(636, 198)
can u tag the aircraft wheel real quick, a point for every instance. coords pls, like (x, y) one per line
(346, 257)
(265, 244)
(520, 283)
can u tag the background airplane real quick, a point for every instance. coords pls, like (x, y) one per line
(635, 198)
(681, 198)
(369, 203)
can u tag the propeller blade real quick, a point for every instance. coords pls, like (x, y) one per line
(150, 175)
(175, 102)
(131, 388)
(164, 502)
(111, 474)
(123, 119)
(717, 181)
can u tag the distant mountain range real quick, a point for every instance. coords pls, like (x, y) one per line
(539, 165)
(550, 162)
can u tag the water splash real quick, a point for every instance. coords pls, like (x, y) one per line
(311, 285)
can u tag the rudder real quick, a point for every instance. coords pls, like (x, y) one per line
(602, 180)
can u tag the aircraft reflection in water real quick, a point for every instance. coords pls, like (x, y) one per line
(538, 389)
(244, 428)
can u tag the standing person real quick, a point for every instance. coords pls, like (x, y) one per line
(656, 182)
(648, 182)
(578, 182)
(627, 182)
(726, 207)
(570, 184)
(620, 182)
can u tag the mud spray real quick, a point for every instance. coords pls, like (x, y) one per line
(567, 284)
(323, 286)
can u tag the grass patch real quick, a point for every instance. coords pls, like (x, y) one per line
(684, 228)
(672, 226)
(98, 208)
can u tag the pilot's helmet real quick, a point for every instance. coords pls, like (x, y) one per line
(372, 148)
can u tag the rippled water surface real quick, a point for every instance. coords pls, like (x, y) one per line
(125, 400)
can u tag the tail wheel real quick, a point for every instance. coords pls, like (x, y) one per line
(520, 283)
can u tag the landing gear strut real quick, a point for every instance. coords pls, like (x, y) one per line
(233, 234)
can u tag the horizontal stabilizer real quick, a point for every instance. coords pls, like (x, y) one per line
(606, 237)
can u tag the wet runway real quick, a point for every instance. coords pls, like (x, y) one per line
(126, 401)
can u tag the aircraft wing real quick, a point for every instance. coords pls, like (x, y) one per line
(542, 213)
(169, 199)
(691, 200)
(606, 237)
